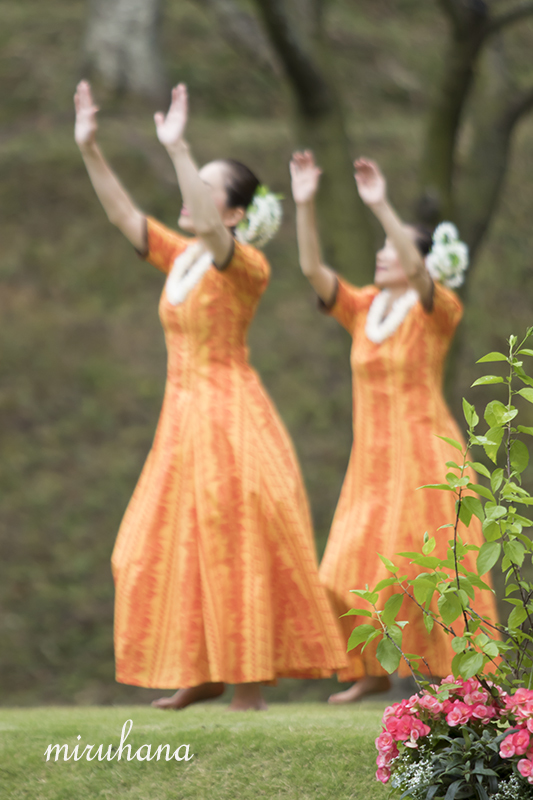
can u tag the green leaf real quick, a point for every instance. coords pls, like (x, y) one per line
(357, 612)
(519, 455)
(515, 551)
(395, 632)
(496, 479)
(459, 644)
(480, 468)
(453, 443)
(488, 556)
(525, 352)
(388, 656)
(450, 607)
(527, 394)
(465, 514)
(469, 411)
(421, 588)
(442, 486)
(487, 379)
(388, 563)
(494, 413)
(428, 622)
(517, 616)
(478, 488)
(495, 511)
(492, 357)
(392, 607)
(429, 546)
(360, 634)
(491, 530)
(525, 429)
(474, 506)
(470, 664)
(384, 583)
(496, 436)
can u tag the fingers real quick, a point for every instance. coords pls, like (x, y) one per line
(83, 99)
(303, 160)
(180, 96)
(159, 118)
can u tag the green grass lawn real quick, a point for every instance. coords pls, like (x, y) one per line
(294, 751)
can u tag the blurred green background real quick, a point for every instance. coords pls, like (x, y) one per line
(81, 349)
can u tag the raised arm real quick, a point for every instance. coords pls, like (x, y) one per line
(305, 177)
(373, 191)
(197, 196)
(117, 203)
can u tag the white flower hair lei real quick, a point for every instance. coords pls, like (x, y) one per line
(263, 218)
(448, 258)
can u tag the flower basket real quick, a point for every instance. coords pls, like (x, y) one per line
(463, 739)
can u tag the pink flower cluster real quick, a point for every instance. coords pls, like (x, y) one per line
(458, 702)
(520, 743)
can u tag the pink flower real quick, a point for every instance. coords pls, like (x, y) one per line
(458, 715)
(384, 759)
(385, 742)
(475, 697)
(484, 713)
(529, 724)
(525, 767)
(430, 703)
(507, 747)
(383, 774)
(521, 742)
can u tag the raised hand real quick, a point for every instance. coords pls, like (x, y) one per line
(371, 184)
(305, 176)
(86, 124)
(170, 128)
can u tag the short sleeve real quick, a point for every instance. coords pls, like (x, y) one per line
(447, 310)
(348, 301)
(163, 245)
(247, 269)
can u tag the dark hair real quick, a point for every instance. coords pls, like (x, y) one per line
(423, 237)
(241, 183)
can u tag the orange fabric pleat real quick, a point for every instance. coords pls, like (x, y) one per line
(398, 413)
(215, 567)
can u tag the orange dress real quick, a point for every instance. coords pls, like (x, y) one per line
(215, 568)
(398, 413)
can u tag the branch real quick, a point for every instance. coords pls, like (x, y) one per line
(311, 89)
(520, 11)
(242, 32)
(452, 9)
(522, 105)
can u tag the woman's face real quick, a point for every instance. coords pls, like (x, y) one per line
(215, 176)
(389, 272)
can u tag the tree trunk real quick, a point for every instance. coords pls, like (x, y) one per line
(468, 29)
(121, 46)
(347, 232)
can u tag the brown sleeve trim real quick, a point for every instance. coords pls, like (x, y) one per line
(229, 258)
(144, 253)
(325, 307)
(430, 304)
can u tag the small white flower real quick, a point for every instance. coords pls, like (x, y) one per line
(263, 218)
(448, 258)
(445, 233)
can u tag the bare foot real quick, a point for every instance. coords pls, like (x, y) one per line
(248, 697)
(193, 694)
(371, 684)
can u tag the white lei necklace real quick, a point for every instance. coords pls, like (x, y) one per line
(378, 328)
(187, 270)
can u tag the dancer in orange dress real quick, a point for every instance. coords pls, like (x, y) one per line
(215, 568)
(402, 327)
